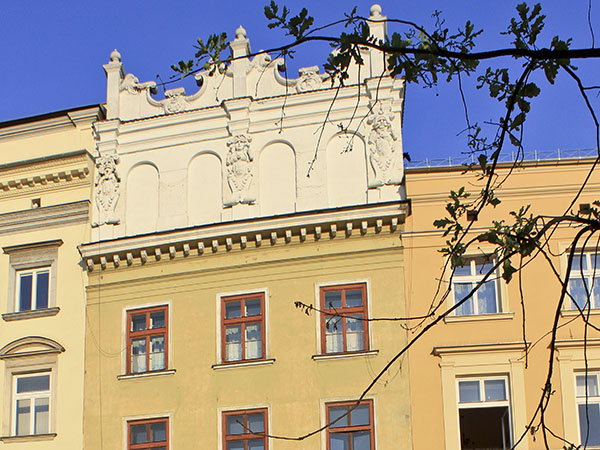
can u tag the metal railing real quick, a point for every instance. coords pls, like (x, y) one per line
(535, 155)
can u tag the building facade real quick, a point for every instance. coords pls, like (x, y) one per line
(45, 186)
(216, 213)
(471, 378)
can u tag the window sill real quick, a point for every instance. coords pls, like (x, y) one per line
(260, 362)
(345, 355)
(158, 373)
(575, 312)
(21, 315)
(474, 318)
(28, 438)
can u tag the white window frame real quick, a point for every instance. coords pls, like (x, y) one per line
(475, 278)
(589, 274)
(482, 403)
(32, 396)
(581, 400)
(34, 271)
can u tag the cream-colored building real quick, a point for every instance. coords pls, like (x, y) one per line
(214, 214)
(45, 188)
(472, 386)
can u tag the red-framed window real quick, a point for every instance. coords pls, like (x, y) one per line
(147, 339)
(150, 434)
(354, 431)
(245, 430)
(344, 327)
(243, 327)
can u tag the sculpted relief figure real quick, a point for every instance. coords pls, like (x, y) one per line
(106, 189)
(132, 84)
(385, 160)
(309, 80)
(240, 169)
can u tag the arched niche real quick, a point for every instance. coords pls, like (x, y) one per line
(277, 179)
(142, 199)
(205, 189)
(346, 170)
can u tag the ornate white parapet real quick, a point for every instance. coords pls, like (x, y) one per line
(249, 143)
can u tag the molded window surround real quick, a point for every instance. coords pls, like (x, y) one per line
(354, 431)
(481, 362)
(147, 338)
(30, 393)
(487, 299)
(243, 328)
(148, 432)
(347, 333)
(245, 429)
(32, 280)
(584, 281)
(571, 364)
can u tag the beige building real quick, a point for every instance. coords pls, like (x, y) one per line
(472, 386)
(214, 214)
(45, 187)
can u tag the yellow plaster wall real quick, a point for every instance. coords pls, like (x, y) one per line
(293, 387)
(549, 189)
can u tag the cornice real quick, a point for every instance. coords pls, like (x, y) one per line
(478, 348)
(38, 173)
(44, 217)
(576, 343)
(210, 239)
(50, 122)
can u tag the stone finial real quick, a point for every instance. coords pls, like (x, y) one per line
(115, 56)
(240, 33)
(375, 10)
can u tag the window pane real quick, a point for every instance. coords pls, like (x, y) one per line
(42, 416)
(494, 390)
(483, 266)
(592, 385)
(233, 310)
(338, 411)
(360, 415)
(157, 352)
(233, 343)
(333, 299)
(354, 333)
(338, 441)
(361, 441)
(577, 289)
(23, 410)
(33, 384)
(596, 291)
(138, 322)
(253, 341)
(235, 424)
(158, 432)
(256, 444)
(579, 262)
(460, 291)
(334, 341)
(468, 391)
(253, 307)
(25, 292)
(256, 423)
(138, 355)
(235, 445)
(157, 319)
(593, 415)
(138, 434)
(41, 289)
(354, 298)
(463, 270)
(486, 296)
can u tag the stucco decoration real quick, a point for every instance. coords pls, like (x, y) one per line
(385, 159)
(175, 101)
(240, 169)
(132, 84)
(107, 189)
(309, 79)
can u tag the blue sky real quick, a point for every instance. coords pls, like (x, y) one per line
(52, 54)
